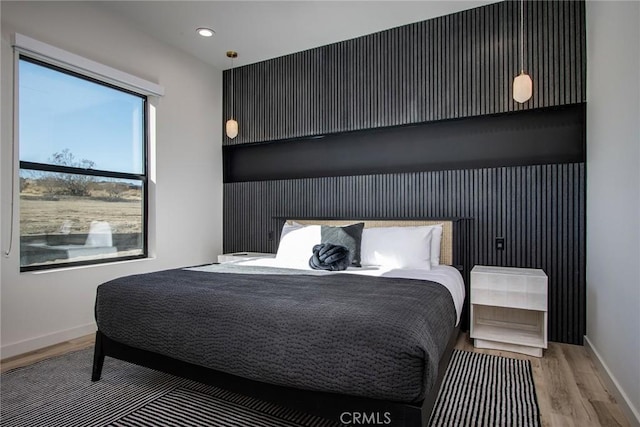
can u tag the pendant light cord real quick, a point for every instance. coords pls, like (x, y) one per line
(521, 36)
(232, 87)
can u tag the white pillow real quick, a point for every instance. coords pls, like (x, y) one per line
(296, 245)
(397, 247)
(436, 240)
(288, 228)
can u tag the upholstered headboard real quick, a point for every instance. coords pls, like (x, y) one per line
(446, 246)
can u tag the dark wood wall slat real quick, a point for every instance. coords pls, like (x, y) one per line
(458, 65)
(537, 209)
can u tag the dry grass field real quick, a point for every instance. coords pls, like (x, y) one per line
(48, 216)
(43, 213)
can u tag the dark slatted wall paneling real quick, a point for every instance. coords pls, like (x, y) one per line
(454, 66)
(537, 209)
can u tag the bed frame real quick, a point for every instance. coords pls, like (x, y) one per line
(322, 404)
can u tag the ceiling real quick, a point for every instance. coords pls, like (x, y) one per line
(260, 30)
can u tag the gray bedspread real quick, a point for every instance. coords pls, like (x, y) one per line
(365, 336)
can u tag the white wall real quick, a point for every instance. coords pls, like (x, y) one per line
(40, 309)
(613, 191)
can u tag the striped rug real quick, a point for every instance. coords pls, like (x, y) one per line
(479, 390)
(484, 390)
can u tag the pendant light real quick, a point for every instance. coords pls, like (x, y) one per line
(522, 84)
(232, 125)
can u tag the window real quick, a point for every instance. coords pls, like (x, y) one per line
(83, 169)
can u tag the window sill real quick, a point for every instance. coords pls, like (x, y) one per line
(86, 266)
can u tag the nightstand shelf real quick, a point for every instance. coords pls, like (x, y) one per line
(509, 309)
(243, 256)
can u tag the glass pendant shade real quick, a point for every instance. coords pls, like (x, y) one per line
(232, 128)
(522, 88)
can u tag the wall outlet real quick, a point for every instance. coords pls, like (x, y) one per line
(499, 243)
(270, 235)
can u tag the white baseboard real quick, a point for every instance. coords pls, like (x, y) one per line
(631, 412)
(25, 346)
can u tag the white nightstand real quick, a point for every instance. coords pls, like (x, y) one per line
(243, 256)
(509, 309)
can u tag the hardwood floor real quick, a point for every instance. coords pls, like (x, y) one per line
(570, 391)
(47, 352)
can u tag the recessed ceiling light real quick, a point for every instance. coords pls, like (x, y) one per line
(205, 32)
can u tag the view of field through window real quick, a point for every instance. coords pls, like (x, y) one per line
(82, 169)
(46, 208)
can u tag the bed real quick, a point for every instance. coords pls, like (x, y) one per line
(326, 343)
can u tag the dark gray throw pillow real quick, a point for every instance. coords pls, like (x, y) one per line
(349, 236)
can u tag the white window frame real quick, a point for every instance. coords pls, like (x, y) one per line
(55, 56)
